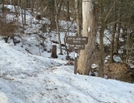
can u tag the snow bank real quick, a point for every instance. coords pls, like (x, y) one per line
(26, 78)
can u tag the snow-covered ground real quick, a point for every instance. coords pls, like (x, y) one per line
(34, 77)
(26, 78)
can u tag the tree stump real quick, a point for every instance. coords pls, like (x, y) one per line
(54, 51)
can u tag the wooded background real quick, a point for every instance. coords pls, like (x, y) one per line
(114, 16)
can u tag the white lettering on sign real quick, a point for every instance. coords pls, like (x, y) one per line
(76, 40)
(69, 38)
(77, 46)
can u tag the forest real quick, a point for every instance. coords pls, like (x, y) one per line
(39, 62)
(110, 20)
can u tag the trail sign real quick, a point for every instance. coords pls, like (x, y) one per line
(76, 40)
(76, 43)
(76, 46)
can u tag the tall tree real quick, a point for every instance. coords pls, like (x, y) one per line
(57, 25)
(51, 5)
(106, 17)
(89, 29)
(78, 8)
(102, 28)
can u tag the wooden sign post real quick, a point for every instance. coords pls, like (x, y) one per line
(76, 43)
(75, 61)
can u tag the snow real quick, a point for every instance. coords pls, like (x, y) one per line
(36, 78)
(26, 78)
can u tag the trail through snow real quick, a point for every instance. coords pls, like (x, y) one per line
(26, 78)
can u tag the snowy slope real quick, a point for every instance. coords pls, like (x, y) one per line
(26, 78)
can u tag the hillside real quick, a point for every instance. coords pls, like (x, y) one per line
(26, 78)
(28, 74)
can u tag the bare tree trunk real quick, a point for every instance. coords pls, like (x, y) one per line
(57, 26)
(24, 11)
(32, 7)
(3, 3)
(89, 29)
(129, 47)
(52, 13)
(78, 6)
(103, 26)
(101, 65)
(113, 37)
(118, 32)
(68, 13)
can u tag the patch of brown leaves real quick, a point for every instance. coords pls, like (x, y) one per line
(118, 71)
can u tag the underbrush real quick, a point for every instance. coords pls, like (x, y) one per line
(8, 30)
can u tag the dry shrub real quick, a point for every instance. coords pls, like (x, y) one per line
(38, 17)
(70, 63)
(5, 10)
(119, 71)
(8, 29)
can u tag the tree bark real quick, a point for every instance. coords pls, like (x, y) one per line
(89, 30)
(68, 11)
(113, 37)
(52, 13)
(78, 6)
(101, 64)
(103, 26)
(57, 26)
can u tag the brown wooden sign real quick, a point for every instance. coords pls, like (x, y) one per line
(76, 40)
(76, 43)
(76, 46)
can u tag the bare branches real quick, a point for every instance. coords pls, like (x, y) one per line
(110, 11)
